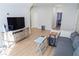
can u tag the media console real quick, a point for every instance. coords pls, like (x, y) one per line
(17, 35)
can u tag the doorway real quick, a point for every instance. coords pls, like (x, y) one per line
(58, 20)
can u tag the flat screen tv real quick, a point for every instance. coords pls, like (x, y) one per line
(15, 23)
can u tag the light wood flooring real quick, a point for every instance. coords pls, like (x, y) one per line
(27, 46)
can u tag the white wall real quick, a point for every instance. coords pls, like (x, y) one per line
(69, 17)
(42, 16)
(14, 10)
(77, 25)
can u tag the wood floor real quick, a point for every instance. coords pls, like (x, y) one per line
(27, 46)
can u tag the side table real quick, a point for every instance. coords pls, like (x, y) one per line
(52, 38)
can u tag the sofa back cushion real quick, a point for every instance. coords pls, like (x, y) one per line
(76, 52)
(73, 35)
(76, 42)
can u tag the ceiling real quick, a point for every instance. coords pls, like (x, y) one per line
(54, 4)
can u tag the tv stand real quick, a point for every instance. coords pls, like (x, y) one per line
(18, 31)
(18, 35)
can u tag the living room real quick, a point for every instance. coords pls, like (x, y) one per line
(40, 19)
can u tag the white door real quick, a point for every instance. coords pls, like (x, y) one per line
(34, 19)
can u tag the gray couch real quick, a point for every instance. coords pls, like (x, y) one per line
(65, 46)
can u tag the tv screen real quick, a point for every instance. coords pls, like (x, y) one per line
(15, 23)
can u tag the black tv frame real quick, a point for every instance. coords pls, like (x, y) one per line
(15, 23)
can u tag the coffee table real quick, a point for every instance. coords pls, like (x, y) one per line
(41, 45)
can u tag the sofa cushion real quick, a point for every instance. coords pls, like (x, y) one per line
(76, 42)
(76, 52)
(65, 33)
(64, 47)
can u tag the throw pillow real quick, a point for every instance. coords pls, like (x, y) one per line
(76, 52)
(76, 42)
